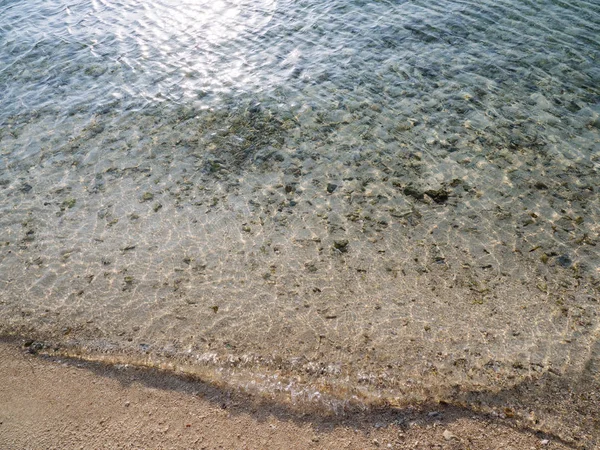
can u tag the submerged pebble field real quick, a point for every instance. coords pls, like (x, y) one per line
(342, 202)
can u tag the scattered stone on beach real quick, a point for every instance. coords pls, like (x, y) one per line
(68, 204)
(34, 347)
(311, 267)
(564, 261)
(341, 245)
(448, 435)
(331, 187)
(147, 196)
(411, 191)
(438, 195)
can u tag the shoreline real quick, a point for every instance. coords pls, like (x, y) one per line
(48, 402)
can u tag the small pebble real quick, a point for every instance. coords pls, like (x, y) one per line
(448, 435)
(341, 245)
(545, 441)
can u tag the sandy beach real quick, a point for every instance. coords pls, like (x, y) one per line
(56, 403)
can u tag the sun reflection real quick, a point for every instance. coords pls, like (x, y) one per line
(208, 35)
(215, 21)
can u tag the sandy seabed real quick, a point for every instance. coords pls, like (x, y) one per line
(48, 403)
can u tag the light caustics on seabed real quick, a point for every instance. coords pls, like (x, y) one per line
(336, 201)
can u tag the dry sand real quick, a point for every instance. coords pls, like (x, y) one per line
(56, 403)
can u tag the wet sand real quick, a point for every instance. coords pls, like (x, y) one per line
(57, 403)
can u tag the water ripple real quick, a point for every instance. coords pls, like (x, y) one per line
(381, 201)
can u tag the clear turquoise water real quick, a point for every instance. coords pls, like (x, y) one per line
(329, 201)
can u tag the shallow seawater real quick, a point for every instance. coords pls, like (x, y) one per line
(343, 201)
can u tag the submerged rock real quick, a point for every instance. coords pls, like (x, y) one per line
(439, 195)
(341, 245)
(147, 196)
(564, 261)
(412, 191)
(69, 203)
